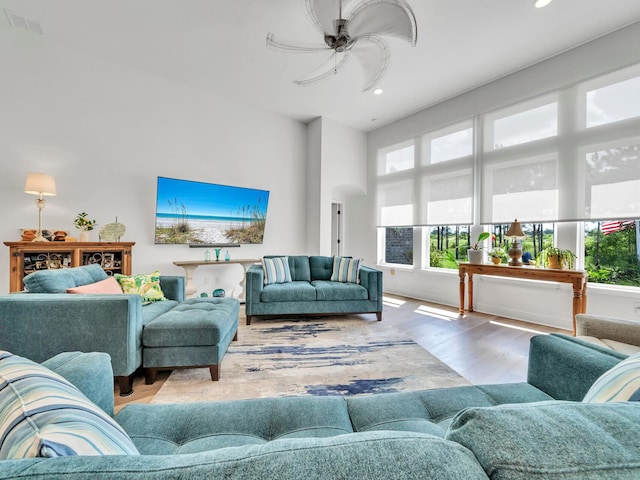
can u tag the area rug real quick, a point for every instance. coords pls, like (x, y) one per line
(331, 356)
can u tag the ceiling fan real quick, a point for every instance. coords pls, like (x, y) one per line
(354, 27)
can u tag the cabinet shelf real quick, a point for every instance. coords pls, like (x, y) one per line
(28, 257)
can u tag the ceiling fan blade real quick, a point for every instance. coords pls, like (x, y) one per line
(328, 69)
(384, 17)
(322, 13)
(373, 54)
(291, 47)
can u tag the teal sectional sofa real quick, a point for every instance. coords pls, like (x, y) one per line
(46, 320)
(311, 291)
(523, 431)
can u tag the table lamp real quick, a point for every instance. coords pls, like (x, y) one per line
(515, 251)
(40, 184)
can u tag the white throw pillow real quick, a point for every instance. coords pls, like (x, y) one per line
(619, 384)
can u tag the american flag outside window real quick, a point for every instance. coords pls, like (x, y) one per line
(615, 226)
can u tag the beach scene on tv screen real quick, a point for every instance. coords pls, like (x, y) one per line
(196, 212)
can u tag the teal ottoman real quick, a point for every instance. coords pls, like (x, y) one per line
(194, 334)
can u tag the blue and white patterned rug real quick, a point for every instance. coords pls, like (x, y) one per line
(329, 356)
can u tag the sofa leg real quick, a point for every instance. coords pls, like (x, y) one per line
(379, 316)
(215, 372)
(149, 376)
(248, 319)
(125, 384)
(235, 337)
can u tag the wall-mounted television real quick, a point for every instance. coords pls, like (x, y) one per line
(196, 213)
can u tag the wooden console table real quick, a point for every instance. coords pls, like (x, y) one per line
(191, 265)
(578, 278)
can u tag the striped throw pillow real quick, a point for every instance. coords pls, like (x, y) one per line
(345, 270)
(43, 415)
(276, 270)
(619, 384)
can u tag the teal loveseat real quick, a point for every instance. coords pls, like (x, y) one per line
(46, 320)
(311, 291)
(538, 430)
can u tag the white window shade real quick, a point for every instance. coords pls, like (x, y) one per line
(395, 204)
(526, 190)
(448, 199)
(612, 182)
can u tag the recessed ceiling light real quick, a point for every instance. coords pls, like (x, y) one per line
(541, 3)
(378, 91)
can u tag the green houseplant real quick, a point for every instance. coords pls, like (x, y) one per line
(557, 258)
(84, 224)
(497, 255)
(474, 252)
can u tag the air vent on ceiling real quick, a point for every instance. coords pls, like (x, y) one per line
(24, 23)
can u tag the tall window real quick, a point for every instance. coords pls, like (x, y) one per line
(611, 252)
(398, 245)
(395, 200)
(572, 155)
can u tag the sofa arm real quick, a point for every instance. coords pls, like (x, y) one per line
(371, 279)
(90, 372)
(624, 331)
(41, 325)
(254, 282)
(566, 367)
(173, 287)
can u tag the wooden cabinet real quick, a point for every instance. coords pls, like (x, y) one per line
(27, 257)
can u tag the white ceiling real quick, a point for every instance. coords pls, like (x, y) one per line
(218, 46)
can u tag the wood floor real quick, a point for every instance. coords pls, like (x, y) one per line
(482, 348)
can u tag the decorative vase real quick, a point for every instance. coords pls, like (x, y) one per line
(217, 250)
(496, 260)
(207, 256)
(84, 236)
(476, 257)
(227, 257)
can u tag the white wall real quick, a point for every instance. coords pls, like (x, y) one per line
(337, 170)
(105, 132)
(532, 301)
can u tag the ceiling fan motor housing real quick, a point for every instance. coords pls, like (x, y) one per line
(341, 41)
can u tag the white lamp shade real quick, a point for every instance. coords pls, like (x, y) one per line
(40, 184)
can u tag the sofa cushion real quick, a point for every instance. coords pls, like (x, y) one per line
(107, 286)
(327, 290)
(58, 280)
(175, 429)
(552, 440)
(288, 292)
(619, 384)
(146, 285)
(43, 415)
(151, 311)
(621, 347)
(276, 270)
(299, 267)
(345, 269)
(321, 267)
(196, 321)
(431, 411)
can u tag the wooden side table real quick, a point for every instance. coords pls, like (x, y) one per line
(191, 265)
(577, 278)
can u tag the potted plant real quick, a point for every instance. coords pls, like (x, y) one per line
(85, 225)
(497, 255)
(557, 258)
(474, 252)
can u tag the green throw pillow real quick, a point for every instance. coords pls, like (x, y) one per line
(147, 286)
